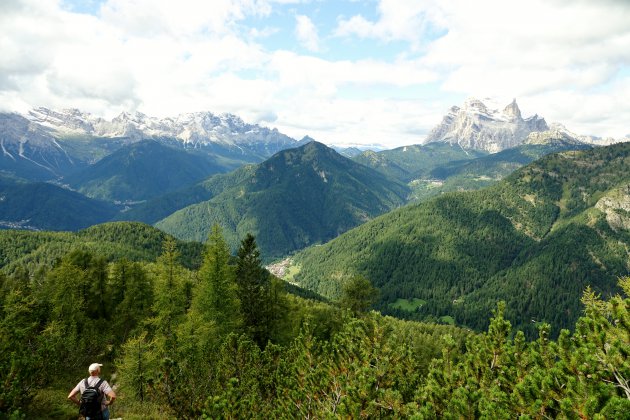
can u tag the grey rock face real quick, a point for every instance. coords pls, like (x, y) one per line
(479, 125)
(616, 207)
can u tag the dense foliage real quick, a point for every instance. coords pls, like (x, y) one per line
(535, 240)
(180, 343)
(24, 250)
(297, 198)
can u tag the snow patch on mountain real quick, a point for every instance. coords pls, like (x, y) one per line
(199, 128)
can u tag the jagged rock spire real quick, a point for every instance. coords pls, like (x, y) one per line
(512, 109)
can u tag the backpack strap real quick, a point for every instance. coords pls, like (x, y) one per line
(98, 384)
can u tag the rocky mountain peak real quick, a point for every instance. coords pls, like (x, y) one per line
(480, 124)
(512, 110)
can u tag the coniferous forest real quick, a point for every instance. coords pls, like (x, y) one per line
(224, 339)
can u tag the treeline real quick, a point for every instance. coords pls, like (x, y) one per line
(226, 341)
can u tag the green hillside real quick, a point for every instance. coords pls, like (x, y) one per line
(226, 341)
(142, 171)
(535, 240)
(436, 168)
(296, 198)
(410, 162)
(156, 209)
(134, 241)
(43, 206)
(484, 171)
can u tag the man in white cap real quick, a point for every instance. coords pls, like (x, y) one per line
(95, 381)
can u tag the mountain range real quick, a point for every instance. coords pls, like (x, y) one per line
(47, 144)
(158, 167)
(453, 253)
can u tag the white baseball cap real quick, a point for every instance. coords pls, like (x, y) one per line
(94, 367)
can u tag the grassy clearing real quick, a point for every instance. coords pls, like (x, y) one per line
(408, 305)
(292, 271)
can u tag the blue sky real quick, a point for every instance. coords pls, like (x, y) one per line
(344, 72)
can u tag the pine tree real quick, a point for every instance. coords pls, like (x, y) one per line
(132, 297)
(254, 291)
(21, 363)
(215, 299)
(169, 304)
(136, 368)
(358, 295)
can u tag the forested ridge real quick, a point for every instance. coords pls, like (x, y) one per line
(141, 171)
(297, 198)
(536, 240)
(30, 251)
(40, 205)
(226, 341)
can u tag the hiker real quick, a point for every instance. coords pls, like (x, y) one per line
(93, 404)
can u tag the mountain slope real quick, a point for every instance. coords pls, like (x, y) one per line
(29, 151)
(536, 240)
(43, 206)
(480, 125)
(296, 198)
(140, 171)
(158, 208)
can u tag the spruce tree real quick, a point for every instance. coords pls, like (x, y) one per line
(215, 299)
(254, 291)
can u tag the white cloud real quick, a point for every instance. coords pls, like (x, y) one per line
(306, 33)
(179, 18)
(565, 60)
(407, 20)
(559, 50)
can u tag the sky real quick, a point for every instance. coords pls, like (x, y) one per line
(344, 72)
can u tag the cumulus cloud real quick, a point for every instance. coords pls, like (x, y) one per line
(408, 20)
(179, 18)
(566, 60)
(306, 33)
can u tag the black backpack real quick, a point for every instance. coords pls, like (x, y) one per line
(91, 401)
